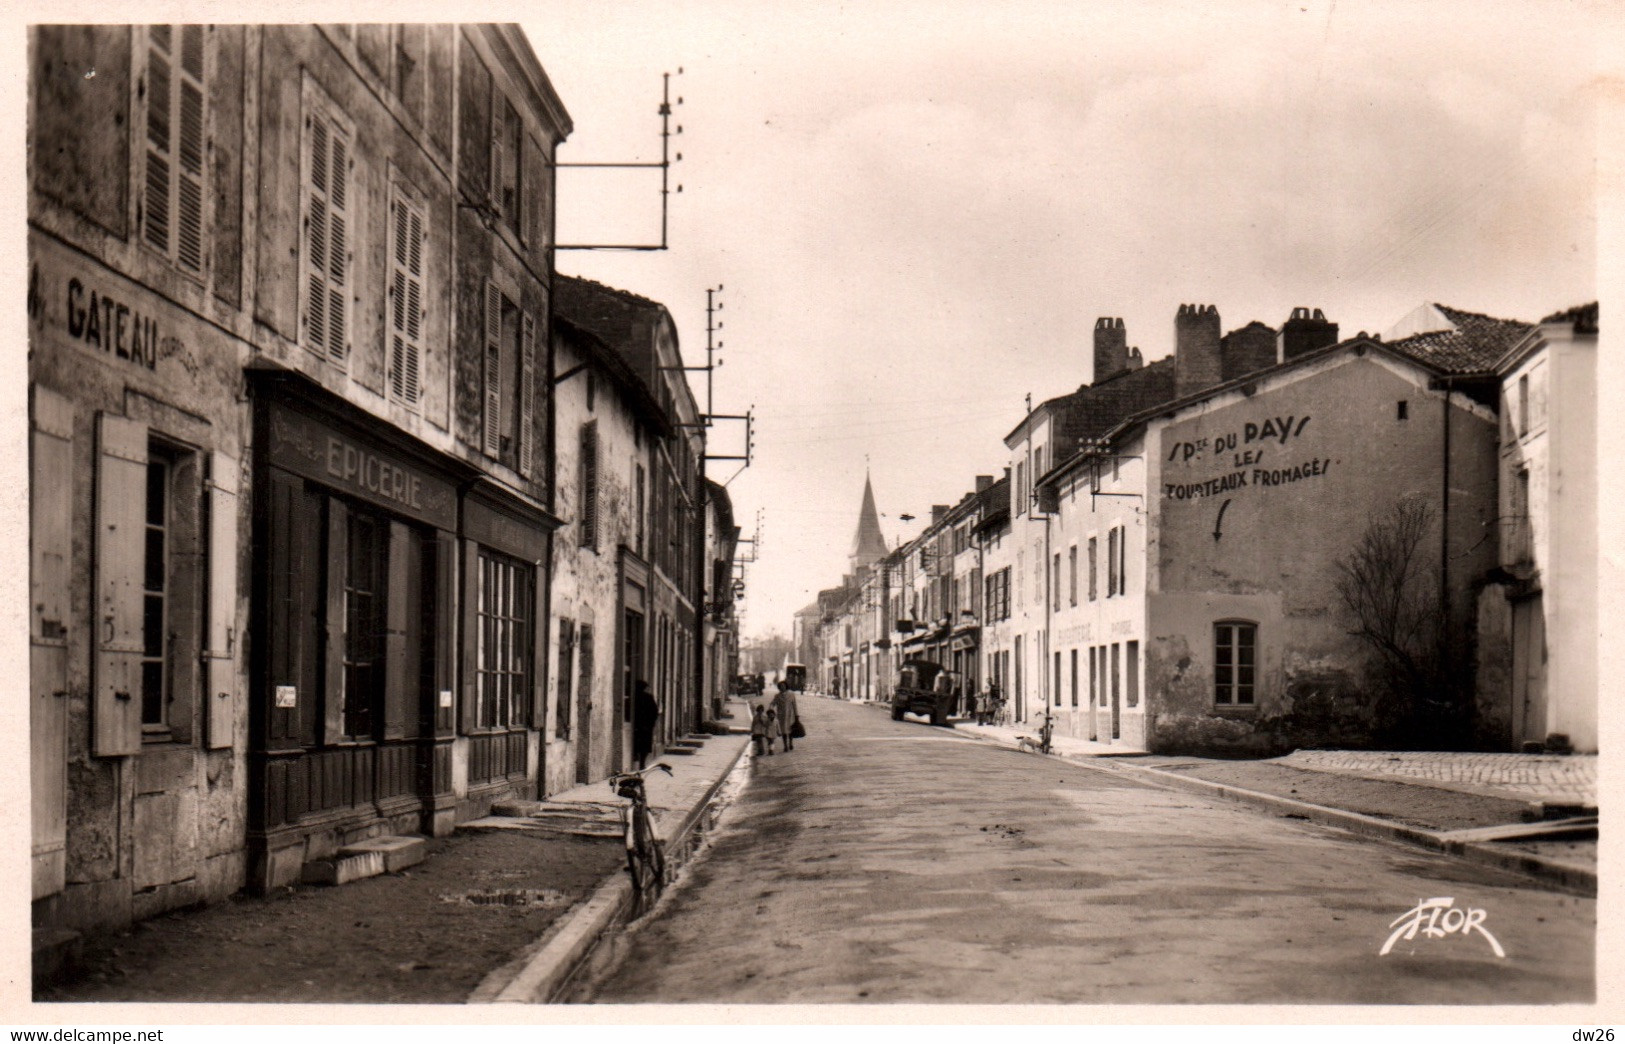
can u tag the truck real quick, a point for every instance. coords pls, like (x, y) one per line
(924, 687)
(795, 677)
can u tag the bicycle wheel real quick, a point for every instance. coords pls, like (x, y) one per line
(644, 861)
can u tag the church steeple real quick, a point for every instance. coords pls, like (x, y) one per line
(868, 544)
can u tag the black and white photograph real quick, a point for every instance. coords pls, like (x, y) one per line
(813, 512)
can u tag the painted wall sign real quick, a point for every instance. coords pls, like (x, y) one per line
(312, 449)
(501, 531)
(99, 320)
(1252, 453)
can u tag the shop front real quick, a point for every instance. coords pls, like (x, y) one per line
(355, 575)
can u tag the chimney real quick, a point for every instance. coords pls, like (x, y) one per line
(1305, 332)
(1134, 360)
(1250, 348)
(937, 511)
(1111, 348)
(983, 482)
(1196, 349)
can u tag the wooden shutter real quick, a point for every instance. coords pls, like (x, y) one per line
(50, 538)
(493, 370)
(406, 303)
(220, 660)
(327, 256)
(171, 186)
(336, 629)
(527, 395)
(189, 183)
(158, 156)
(121, 499)
(589, 485)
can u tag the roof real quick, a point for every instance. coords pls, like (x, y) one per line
(1584, 318)
(1472, 344)
(594, 347)
(624, 320)
(868, 543)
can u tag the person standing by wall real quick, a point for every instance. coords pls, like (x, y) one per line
(645, 709)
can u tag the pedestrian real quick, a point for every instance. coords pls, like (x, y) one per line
(785, 704)
(645, 709)
(758, 730)
(981, 707)
(770, 720)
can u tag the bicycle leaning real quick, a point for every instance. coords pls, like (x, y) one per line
(645, 858)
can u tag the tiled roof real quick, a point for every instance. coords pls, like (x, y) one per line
(1474, 346)
(1584, 317)
(621, 318)
(1095, 409)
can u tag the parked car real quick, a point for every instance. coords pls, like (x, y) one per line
(924, 687)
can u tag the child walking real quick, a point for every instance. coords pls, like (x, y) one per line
(758, 730)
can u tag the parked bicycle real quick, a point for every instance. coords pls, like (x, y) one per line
(645, 858)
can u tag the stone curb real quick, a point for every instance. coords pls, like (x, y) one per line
(570, 942)
(1558, 875)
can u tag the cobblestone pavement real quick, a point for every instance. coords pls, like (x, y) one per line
(1566, 778)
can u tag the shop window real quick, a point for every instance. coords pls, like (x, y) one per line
(503, 641)
(171, 98)
(325, 258)
(1234, 651)
(407, 302)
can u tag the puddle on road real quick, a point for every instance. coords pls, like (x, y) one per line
(527, 897)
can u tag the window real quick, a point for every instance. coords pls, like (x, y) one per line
(1094, 568)
(503, 641)
(1093, 675)
(1057, 683)
(507, 137)
(642, 508)
(1522, 545)
(1074, 677)
(1523, 405)
(1122, 560)
(567, 650)
(510, 379)
(587, 493)
(170, 188)
(1234, 644)
(406, 298)
(1403, 409)
(154, 589)
(1131, 661)
(1021, 487)
(325, 260)
(366, 545)
(1055, 583)
(1111, 563)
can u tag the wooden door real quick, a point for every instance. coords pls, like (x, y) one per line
(1529, 670)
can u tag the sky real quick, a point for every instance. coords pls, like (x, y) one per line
(916, 211)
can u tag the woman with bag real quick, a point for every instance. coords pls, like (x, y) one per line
(789, 720)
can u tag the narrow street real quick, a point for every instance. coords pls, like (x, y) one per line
(895, 862)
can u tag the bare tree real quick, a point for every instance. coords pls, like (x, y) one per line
(1389, 583)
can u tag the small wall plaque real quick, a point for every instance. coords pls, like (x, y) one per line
(287, 697)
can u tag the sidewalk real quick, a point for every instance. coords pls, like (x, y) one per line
(1531, 813)
(499, 907)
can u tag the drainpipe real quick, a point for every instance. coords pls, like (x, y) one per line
(1444, 525)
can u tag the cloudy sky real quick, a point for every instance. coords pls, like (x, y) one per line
(917, 210)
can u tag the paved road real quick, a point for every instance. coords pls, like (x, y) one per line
(895, 862)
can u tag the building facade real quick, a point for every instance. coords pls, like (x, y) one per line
(1537, 617)
(288, 364)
